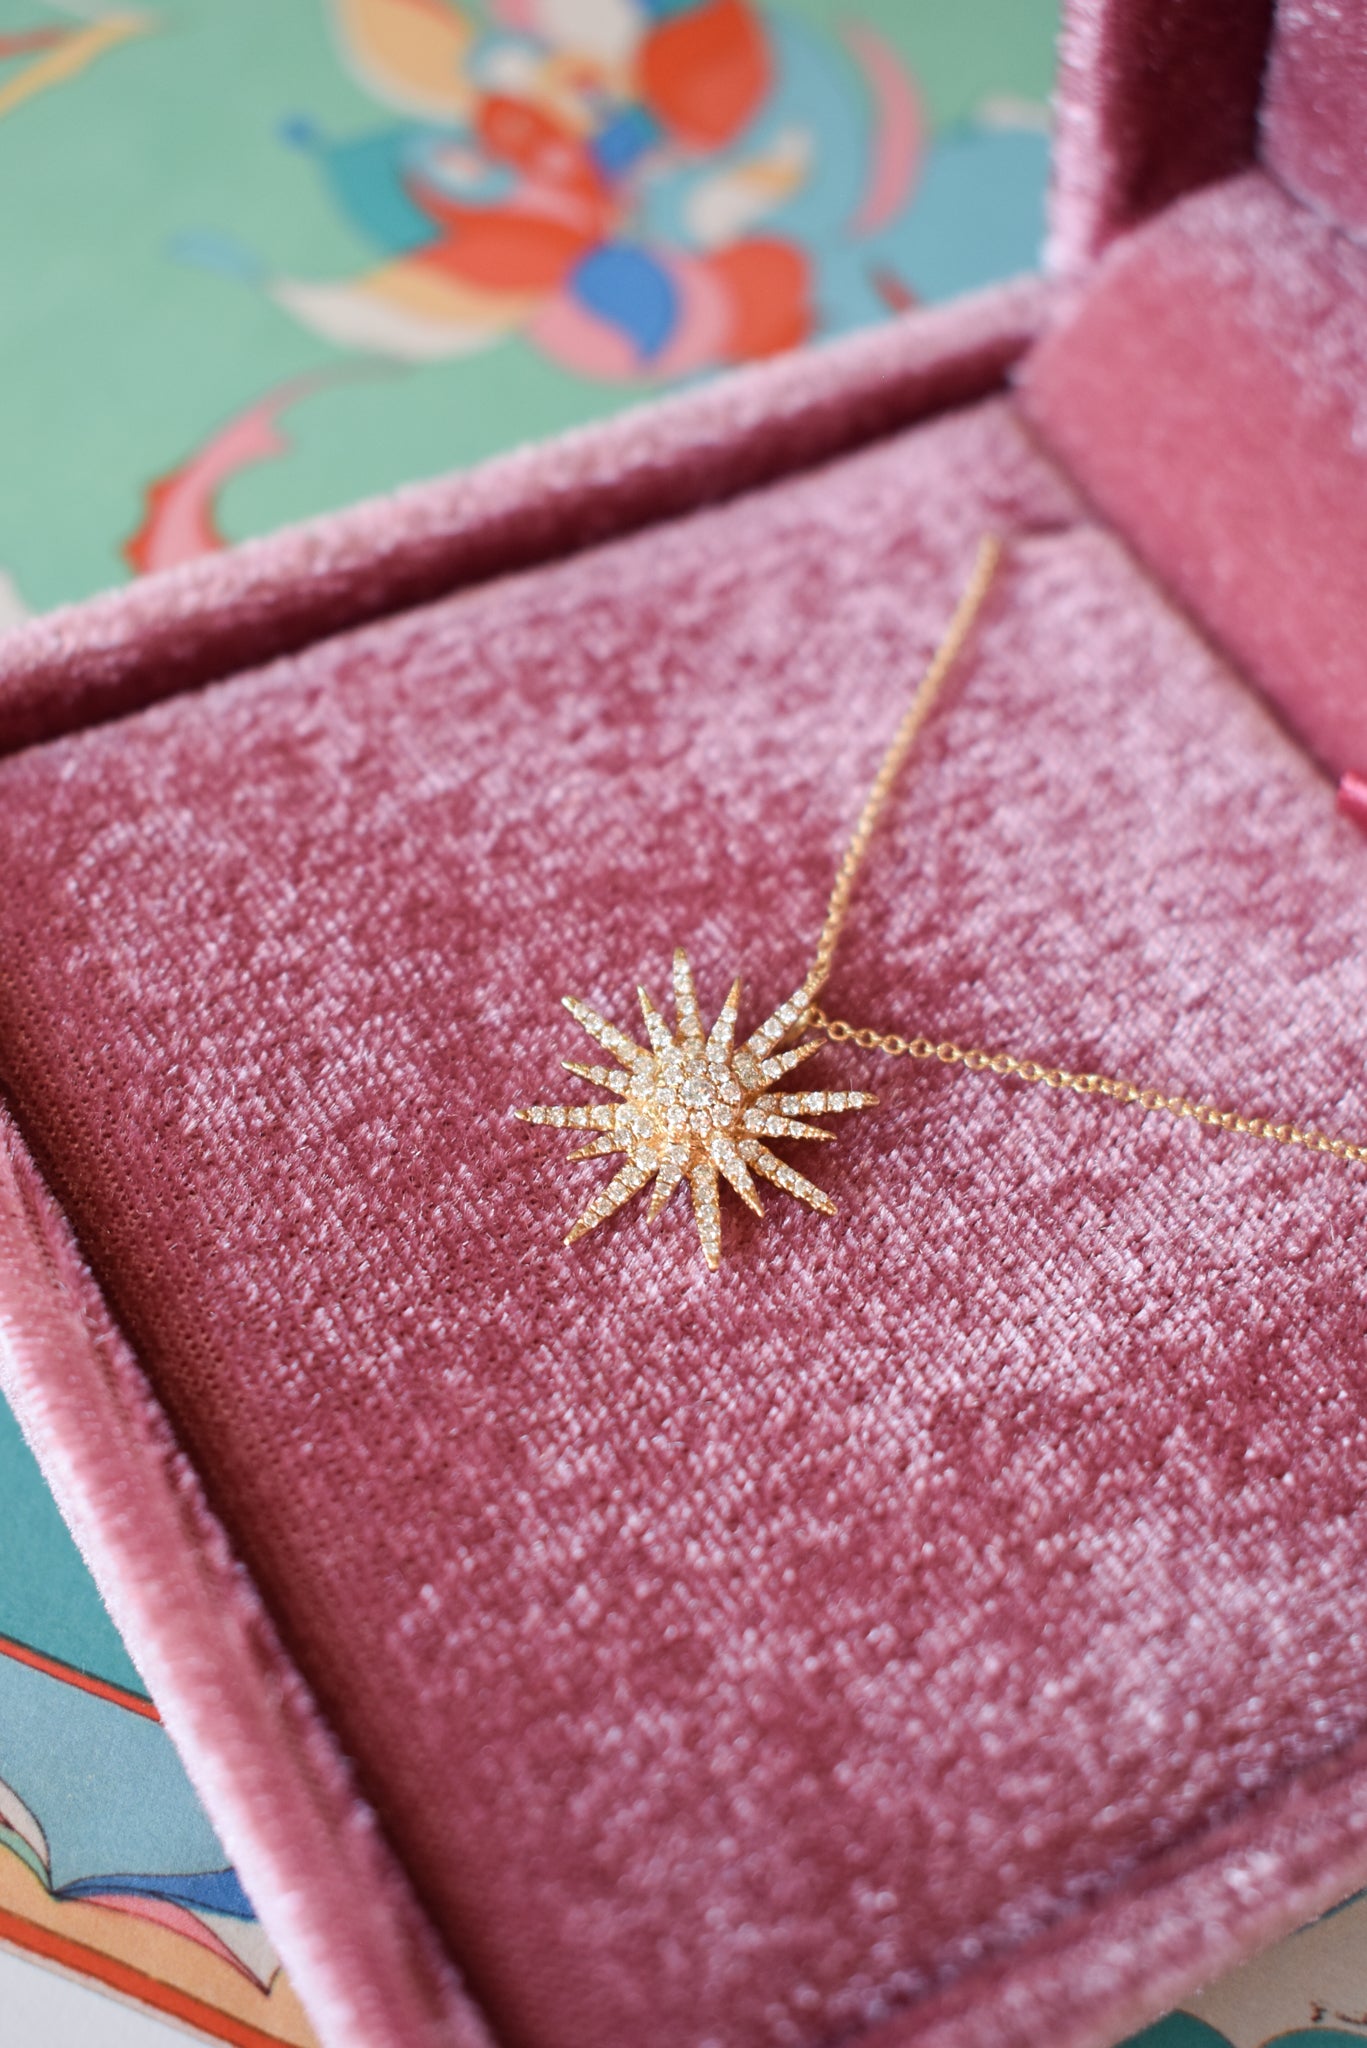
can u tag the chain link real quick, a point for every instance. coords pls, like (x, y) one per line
(971, 1059)
(915, 716)
(975, 1061)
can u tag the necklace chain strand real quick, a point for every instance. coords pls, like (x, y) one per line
(972, 1059)
(915, 716)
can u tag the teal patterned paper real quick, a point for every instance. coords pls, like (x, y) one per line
(47, 1598)
(1310, 1991)
(215, 258)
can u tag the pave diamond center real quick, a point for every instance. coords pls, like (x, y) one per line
(686, 1097)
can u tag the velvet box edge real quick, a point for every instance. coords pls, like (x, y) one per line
(276, 1786)
(180, 629)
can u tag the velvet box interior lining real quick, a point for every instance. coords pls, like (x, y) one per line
(901, 1634)
(736, 1658)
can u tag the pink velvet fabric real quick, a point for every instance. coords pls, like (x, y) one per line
(1155, 98)
(282, 1795)
(1209, 394)
(228, 611)
(1315, 114)
(769, 1657)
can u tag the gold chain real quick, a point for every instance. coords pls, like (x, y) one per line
(970, 1058)
(975, 1062)
(917, 712)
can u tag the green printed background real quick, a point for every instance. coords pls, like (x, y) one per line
(122, 350)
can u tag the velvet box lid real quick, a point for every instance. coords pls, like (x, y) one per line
(944, 1624)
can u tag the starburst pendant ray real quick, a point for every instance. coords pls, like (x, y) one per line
(692, 1105)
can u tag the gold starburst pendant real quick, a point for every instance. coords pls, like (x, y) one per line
(695, 1106)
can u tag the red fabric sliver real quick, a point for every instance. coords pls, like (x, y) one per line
(1352, 797)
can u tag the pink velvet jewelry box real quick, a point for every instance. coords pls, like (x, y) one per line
(945, 1624)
